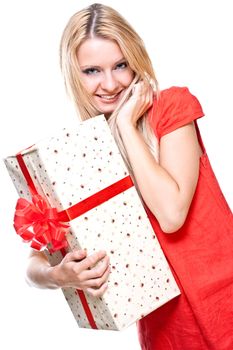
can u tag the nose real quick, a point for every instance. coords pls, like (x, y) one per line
(109, 82)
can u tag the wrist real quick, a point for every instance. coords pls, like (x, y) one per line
(51, 274)
(125, 125)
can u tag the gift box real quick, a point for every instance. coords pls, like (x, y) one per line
(81, 173)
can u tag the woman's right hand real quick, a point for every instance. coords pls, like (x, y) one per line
(77, 270)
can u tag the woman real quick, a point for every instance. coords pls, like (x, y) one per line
(107, 71)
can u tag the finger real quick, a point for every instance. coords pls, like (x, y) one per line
(92, 260)
(144, 90)
(151, 96)
(147, 102)
(75, 255)
(97, 282)
(97, 292)
(137, 87)
(97, 271)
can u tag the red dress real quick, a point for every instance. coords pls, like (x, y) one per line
(200, 253)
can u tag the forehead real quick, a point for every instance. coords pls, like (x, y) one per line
(98, 51)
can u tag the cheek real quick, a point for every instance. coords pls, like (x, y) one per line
(90, 84)
(128, 78)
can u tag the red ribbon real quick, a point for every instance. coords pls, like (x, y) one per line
(41, 225)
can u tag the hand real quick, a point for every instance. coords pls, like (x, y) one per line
(137, 104)
(87, 273)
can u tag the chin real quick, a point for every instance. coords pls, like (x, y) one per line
(106, 111)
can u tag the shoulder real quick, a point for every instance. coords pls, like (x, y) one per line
(178, 98)
(174, 107)
(175, 91)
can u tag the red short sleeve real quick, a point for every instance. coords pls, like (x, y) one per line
(174, 108)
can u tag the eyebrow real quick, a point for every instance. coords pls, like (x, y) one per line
(94, 66)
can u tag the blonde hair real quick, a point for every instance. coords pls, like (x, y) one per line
(99, 20)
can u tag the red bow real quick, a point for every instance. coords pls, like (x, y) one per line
(38, 223)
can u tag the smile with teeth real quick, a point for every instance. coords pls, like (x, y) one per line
(108, 97)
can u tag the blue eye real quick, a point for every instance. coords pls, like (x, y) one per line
(121, 65)
(90, 71)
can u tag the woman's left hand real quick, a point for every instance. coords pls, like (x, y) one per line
(137, 104)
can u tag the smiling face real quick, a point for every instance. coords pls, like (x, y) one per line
(105, 72)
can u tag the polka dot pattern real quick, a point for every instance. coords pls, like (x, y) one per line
(70, 167)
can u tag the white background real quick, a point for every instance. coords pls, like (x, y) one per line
(190, 43)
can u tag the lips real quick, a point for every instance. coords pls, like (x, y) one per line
(109, 98)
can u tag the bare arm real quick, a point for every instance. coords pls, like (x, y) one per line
(168, 187)
(39, 271)
(75, 270)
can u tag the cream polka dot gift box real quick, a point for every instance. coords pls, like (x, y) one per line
(81, 173)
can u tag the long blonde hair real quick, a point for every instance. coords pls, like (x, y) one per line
(99, 20)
